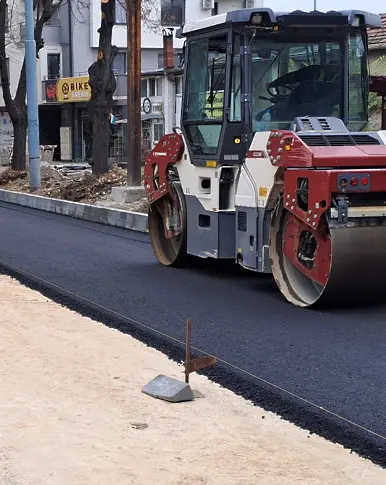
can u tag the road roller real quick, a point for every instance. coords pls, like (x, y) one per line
(271, 166)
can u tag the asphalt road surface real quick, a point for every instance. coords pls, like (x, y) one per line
(335, 359)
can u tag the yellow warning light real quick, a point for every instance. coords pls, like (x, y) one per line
(237, 141)
(287, 148)
(263, 191)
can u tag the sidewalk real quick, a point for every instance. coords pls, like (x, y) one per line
(71, 402)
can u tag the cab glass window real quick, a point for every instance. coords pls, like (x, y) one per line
(205, 90)
(358, 84)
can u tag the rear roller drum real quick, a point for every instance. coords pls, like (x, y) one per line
(300, 258)
(333, 263)
(167, 227)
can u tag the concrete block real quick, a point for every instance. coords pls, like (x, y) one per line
(124, 195)
(169, 389)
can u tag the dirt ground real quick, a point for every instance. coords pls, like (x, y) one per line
(85, 188)
(72, 412)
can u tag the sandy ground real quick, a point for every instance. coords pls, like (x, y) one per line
(72, 410)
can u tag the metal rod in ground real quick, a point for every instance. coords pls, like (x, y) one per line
(187, 355)
(134, 138)
(32, 98)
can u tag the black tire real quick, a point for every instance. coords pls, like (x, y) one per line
(169, 252)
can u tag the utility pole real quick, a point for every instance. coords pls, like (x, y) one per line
(134, 141)
(32, 98)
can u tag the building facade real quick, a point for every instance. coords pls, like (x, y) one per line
(71, 43)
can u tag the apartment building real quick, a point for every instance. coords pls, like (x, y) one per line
(71, 42)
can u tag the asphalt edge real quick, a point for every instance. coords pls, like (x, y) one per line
(307, 418)
(134, 221)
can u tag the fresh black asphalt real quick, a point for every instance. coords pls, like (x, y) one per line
(335, 359)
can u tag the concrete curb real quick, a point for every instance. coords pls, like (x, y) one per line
(134, 221)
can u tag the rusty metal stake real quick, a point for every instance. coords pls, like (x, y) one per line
(198, 363)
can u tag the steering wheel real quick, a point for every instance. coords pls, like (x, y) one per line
(276, 87)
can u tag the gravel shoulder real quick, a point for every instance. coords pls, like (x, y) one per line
(72, 410)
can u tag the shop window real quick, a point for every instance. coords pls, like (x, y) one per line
(146, 135)
(158, 131)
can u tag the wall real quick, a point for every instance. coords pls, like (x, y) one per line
(149, 38)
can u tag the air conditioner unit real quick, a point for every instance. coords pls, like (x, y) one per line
(207, 4)
(251, 3)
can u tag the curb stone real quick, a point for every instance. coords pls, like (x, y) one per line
(134, 221)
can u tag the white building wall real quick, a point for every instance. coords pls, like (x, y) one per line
(153, 40)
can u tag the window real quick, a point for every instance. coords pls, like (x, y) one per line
(152, 86)
(54, 20)
(146, 135)
(119, 63)
(357, 103)
(205, 87)
(159, 86)
(144, 88)
(158, 131)
(172, 13)
(160, 61)
(120, 12)
(215, 9)
(235, 107)
(53, 66)
(295, 79)
(178, 83)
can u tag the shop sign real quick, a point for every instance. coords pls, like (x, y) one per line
(73, 89)
(50, 90)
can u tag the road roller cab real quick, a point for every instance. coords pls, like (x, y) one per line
(270, 166)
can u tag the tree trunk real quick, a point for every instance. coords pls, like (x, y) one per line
(16, 107)
(102, 83)
(19, 143)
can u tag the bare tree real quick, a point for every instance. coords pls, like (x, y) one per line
(102, 83)
(16, 106)
(102, 80)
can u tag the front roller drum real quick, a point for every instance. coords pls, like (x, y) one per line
(167, 227)
(332, 264)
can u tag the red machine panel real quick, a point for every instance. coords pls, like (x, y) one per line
(168, 150)
(286, 149)
(321, 184)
